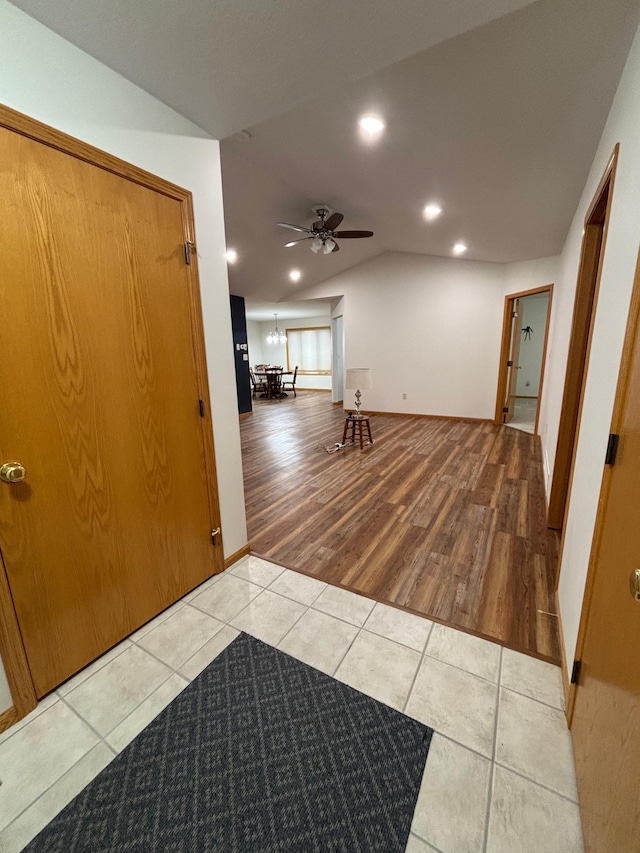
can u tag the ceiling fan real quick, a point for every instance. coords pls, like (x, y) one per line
(323, 232)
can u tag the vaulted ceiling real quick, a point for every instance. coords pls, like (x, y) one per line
(228, 64)
(492, 109)
(498, 125)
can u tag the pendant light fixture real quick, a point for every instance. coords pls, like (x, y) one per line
(276, 337)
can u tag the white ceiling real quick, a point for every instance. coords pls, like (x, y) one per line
(263, 312)
(500, 125)
(228, 64)
(493, 108)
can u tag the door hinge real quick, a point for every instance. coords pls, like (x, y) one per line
(575, 672)
(201, 407)
(505, 410)
(515, 314)
(214, 533)
(187, 251)
(612, 449)
(509, 364)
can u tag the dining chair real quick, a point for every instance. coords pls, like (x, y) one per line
(258, 383)
(291, 383)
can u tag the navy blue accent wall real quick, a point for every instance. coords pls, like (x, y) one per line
(240, 351)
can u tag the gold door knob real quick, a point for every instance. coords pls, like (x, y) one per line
(634, 583)
(12, 472)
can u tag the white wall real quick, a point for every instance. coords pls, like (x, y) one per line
(255, 340)
(623, 126)
(337, 347)
(428, 327)
(47, 78)
(5, 694)
(534, 316)
(277, 353)
(526, 275)
(337, 359)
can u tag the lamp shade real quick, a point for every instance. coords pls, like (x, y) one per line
(358, 378)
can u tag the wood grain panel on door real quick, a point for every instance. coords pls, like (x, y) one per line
(99, 401)
(605, 724)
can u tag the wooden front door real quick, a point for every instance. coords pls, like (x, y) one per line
(514, 357)
(606, 718)
(100, 381)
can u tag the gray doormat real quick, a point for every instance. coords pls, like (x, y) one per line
(260, 753)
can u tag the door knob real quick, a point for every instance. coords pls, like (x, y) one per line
(634, 583)
(12, 472)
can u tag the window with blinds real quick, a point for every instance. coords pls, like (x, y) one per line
(310, 350)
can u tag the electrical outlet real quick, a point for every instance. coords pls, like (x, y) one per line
(404, 396)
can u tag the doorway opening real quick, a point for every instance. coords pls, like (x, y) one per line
(525, 332)
(337, 340)
(593, 244)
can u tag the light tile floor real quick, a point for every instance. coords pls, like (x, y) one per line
(524, 414)
(499, 776)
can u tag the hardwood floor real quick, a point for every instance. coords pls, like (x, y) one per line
(444, 518)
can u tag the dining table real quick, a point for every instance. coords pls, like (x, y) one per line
(273, 380)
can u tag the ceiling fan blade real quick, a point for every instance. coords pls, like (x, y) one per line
(336, 248)
(353, 234)
(293, 242)
(333, 221)
(295, 227)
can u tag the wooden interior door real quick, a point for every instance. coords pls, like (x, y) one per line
(514, 356)
(591, 258)
(606, 717)
(99, 392)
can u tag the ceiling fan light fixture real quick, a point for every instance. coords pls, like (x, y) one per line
(323, 234)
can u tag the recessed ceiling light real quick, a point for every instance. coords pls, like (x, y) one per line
(459, 248)
(294, 275)
(432, 211)
(371, 124)
(231, 255)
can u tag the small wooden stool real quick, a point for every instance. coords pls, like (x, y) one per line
(358, 426)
